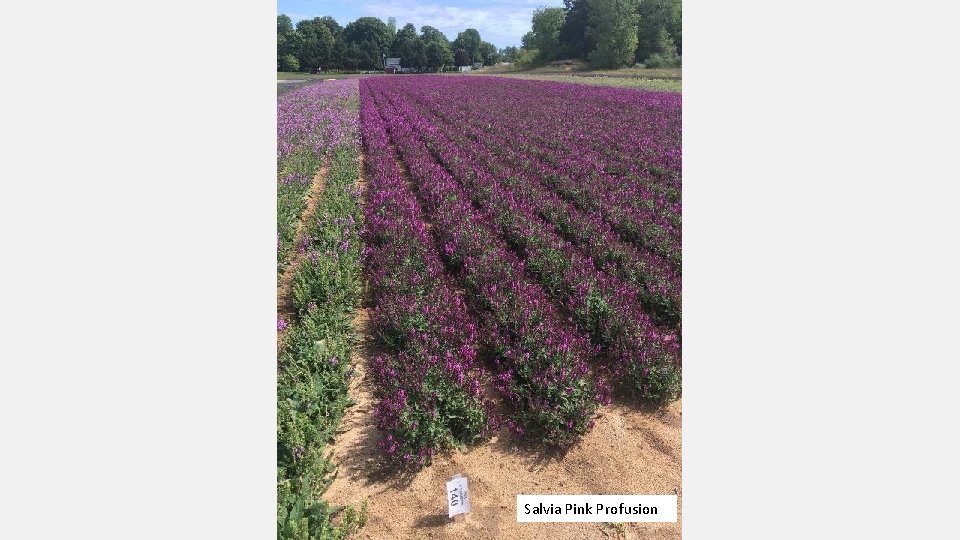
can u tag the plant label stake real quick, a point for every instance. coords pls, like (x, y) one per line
(458, 497)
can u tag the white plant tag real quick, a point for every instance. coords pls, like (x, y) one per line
(458, 497)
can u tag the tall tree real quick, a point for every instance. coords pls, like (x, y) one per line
(408, 46)
(675, 26)
(469, 40)
(369, 29)
(437, 50)
(573, 36)
(547, 23)
(657, 17)
(613, 26)
(284, 25)
(508, 54)
(437, 55)
(317, 47)
(287, 44)
(462, 57)
(488, 53)
(371, 55)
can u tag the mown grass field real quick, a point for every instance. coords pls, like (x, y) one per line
(659, 85)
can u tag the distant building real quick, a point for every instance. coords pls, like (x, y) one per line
(464, 69)
(477, 65)
(391, 65)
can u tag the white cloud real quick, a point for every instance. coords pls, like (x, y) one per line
(502, 23)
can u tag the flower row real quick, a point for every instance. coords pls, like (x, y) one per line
(427, 382)
(540, 356)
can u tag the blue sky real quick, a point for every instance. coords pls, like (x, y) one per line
(501, 22)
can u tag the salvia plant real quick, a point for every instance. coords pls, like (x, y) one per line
(313, 364)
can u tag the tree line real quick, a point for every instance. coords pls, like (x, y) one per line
(606, 33)
(321, 43)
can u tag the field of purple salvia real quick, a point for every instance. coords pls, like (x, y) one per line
(523, 237)
(517, 247)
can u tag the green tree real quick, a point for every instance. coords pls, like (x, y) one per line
(508, 54)
(469, 40)
(526, 57)
(657, 17)
(461, 57)
(284, 25)
(437, 55)
(612, 24)
(429, 33)
(371, 55)
(573, 38)
(436, 48)
(332, 25)
(547, 23)
(488, 51)
(526, 42)
(317, 47)
(289, 62)
(408, 46)
(675, 25)
(287, 41)
(369, 29)
(351, 56)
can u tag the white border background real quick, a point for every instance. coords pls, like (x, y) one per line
(138, 214)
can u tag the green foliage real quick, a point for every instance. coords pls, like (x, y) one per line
(369, 29)
(429, 34)
(437, 55)
(656, 381)
(317, 48)
(289, 63)
(293, 185)
(508, 54)
(328, 274)
(666, 54)
(408, 46)
(313, 368)
(527, 40)
(659, 23)
(657, 60)
(573, 38)
(469, 40)
(332, 25)
(284, 25)
(322, 43)
(526, 57)
(547, 24)
(288, 42)
(612, 24)
(489, 53)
